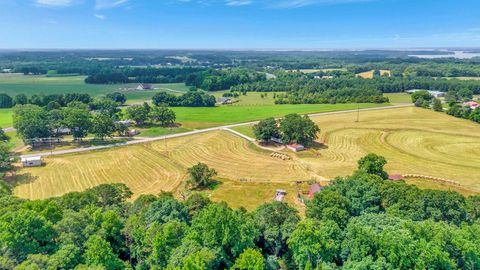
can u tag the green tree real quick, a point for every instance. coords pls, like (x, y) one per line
(373, 164)
(98, 252)
(329, 205)
(164, 115)
(314, 242)
(20, 99)
(424, 94)
(250, 259)
(201, 176)
(78, 120)
(475, 115)
(4, 155)
(298, 129)
(138, 113)
(437, 105)
(3, 136)
(266, 129)
(275, 221)
(102, 126)
(117, 97)
(5, 101)
(31, 122)
(165, 241)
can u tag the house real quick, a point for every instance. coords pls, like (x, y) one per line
(63, 131)
(280, 195)
(471, 104)
(124, 122)
(323, 77)
(145, 86)
(32, 161)
(435, 94)
(314, 189)
(224, 100)
(395, 177)
(295, 147)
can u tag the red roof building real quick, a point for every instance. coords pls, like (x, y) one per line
(314, 189)
(395, 177)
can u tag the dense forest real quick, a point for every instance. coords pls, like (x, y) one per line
(357, 222)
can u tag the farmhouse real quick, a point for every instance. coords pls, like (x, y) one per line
(471, 104)
(145, 86)
(224, 100)
(395, 177)
(435, 94)
(295, 147)
(32, 161)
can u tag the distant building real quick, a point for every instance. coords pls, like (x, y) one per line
(323, 77)
(435, 94)
(295, 147)
(124, 122)
(277, 140)
(7, 70)
(32, 161)
(224, 100)
(145, 86)
(314, 189)
(471, 104)
(133, 132)
(280, 195)
(395, 177)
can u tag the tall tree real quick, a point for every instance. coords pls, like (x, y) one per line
(138, 113)
(31, 122)
(298, 129)
(164, 115)
(201, 176)
(373, 164)
(266, 129)
(102, 125)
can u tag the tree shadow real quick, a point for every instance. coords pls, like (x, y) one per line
(318, 146)
(21, 179)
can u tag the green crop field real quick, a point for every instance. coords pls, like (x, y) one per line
(6, 118)
(399, 98)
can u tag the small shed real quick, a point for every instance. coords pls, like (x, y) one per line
(277, 140)
(395, 177)
(133, 132)
(295, 147)
(224, 100)
(32, 161)
(471, 104)
(314, 189)
(280, 195)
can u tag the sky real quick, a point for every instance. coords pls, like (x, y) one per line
(238, 24)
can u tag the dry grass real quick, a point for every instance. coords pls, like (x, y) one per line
(428, 184)
(158, 166)
(369, 74)
(414, 141)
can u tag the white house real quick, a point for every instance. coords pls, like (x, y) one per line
(435, 94)
(145, 86)
(32, 161)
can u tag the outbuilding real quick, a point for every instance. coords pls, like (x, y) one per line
(32, 161)
(295, 147)
(145, 86)
(280, 195)
(314, 189)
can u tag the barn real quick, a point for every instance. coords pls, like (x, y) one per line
(32, 161)
(295, 147)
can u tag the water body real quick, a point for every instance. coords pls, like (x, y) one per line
(456, 54)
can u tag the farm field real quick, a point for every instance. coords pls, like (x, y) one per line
(414, 141)
(203, 117)
(32, 84)
(157, 166)
(369, 74)
(399, 98)
(6, 118)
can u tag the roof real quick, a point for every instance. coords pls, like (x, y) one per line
(223, 99)
(295, 145)
(470, 103)
(27, 159)
(395, 177)
(145, 85)
(315, 188)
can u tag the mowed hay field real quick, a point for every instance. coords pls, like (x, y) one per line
(158, 166)
(413, 140)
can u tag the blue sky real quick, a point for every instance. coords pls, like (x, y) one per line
(239, 24)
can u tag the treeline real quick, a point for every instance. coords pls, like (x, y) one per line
(382, 84)
(52, 100)
(357, 222)
(214, 80)
(189, 99)
(464, 112)
(141, 75)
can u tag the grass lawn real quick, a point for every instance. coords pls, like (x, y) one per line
(221, 115)
(6, 118)
(160, 131)
(429, 184)
(245, 130)
(399, 98)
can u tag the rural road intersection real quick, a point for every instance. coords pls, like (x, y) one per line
(199, 131)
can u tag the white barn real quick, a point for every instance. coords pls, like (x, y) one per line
(32, 161)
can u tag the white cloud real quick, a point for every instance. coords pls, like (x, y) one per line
(276, 3)
(238, 2)
(99, 16)
(105, 4)
(55, 3)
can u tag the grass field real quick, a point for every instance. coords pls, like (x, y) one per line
(399, 98)
(6, 118)
(369, 74)
(428, 184)
(414, 141)
(207, 117)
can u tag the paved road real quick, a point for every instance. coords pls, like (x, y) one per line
(199, 131)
